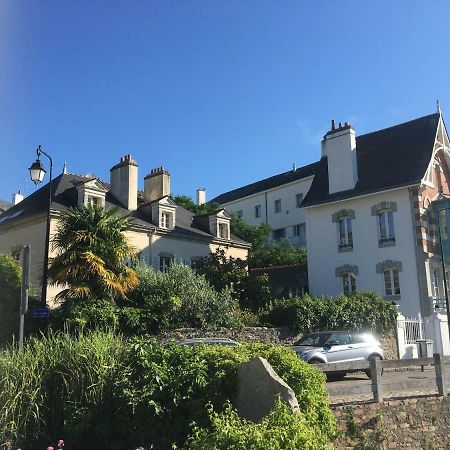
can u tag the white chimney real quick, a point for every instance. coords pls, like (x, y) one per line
(156, 184)
(124, 182)
(201, 196)
(17, 198)
(339, 146)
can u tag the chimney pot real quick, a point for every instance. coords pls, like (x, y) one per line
(333, 125)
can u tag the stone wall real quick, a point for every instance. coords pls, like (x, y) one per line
(281, 336)
(420, 423)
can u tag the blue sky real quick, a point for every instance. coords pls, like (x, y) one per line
(221, 93)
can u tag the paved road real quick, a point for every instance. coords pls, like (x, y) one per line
(357, 386)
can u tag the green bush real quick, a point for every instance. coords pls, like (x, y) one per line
(162, 300)
(100, 391)
(170, 386)
(359, 311)
(279, 430)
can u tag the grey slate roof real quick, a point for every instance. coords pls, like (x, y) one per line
(267, 183)
(64, 188)
(388, 158)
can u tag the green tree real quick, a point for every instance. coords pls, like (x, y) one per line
(92, 254)
(222, 272)
(187, 203)
(10, 282)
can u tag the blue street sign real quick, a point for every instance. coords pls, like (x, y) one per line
(40, 313)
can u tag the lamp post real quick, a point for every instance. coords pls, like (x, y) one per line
(443, 267)
(37, 174)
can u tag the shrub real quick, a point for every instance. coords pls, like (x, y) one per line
(99, 391)
(10, 282)
(166, 386)
(180, 298)
(279, 430)
(359, 311)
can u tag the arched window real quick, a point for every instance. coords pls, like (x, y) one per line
(384, 211)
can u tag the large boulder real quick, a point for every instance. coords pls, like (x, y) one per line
(258, 388)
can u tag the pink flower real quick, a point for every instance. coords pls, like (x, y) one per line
(60, 443)
(50, 448)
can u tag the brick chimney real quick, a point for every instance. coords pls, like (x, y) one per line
(201, 196)
(339, 146)
(156, 184)
(124, 182)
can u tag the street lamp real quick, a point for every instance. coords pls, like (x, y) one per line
(443, 266)
(37, 174)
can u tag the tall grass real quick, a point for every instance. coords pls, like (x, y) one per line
(53, 382)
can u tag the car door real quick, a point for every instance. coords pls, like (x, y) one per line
(338, 347)
(359, 346)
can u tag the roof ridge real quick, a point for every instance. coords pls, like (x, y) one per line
(398, 125)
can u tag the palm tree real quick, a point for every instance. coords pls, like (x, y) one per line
(91, 255)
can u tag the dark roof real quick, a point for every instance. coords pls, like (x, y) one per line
(64, 188)
(390, 158)
(267, 183)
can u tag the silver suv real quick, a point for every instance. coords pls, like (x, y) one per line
(338, 346)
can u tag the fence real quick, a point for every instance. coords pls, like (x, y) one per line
(434, 328)
(440, 382)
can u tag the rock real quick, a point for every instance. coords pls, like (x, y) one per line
(258, 388)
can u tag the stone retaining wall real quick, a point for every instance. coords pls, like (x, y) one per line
(420, 423)
(281, 336)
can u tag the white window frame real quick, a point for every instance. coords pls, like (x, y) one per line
(257, 211)
(166, 218)
(277, 206)
(385, 226)
(223, 230)
(391, 282)
(348, 283)
(345, 233)
(93, 200)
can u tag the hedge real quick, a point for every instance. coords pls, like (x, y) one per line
(360, 311)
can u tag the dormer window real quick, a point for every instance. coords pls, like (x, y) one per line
(224, 230)
(163, 213)
(92, 193)
(166, 220)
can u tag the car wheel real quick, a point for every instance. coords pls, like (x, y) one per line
(367, 372)
(336, 376)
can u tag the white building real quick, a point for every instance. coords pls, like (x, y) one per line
(159, 230)
(367, 207)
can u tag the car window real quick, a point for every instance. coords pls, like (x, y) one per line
(314, 340)
(358, 339)
(338, 339)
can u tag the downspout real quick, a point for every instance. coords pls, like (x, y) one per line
(265, 199)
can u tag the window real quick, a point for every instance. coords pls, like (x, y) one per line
(164, 263)
(338, 339)
(277, 205)
(165, 220)
(258, 211)
(279, 234)
(298, 200)
(223, 230)
(300, 232)
(391, 282)
(443, 225)
(345, 233)
(93, 201)
(386, 227)
(435, 283)
(348, 283)
(240, 213)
